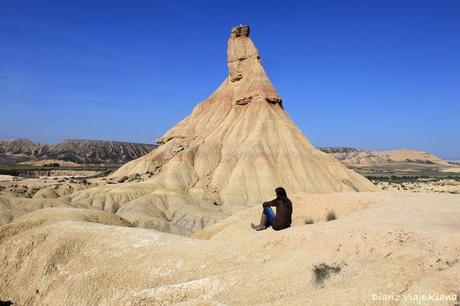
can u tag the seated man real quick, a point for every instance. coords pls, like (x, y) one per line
(282, 219)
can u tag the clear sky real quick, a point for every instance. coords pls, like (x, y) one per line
(371, 74)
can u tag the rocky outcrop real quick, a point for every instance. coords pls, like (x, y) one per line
(245, 70)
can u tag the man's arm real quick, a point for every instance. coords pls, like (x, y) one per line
(271, 203)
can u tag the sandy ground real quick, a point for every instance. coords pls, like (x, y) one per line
(45, 186)
(6, 178)
(452, 170)
(440, 186)
(383, 244)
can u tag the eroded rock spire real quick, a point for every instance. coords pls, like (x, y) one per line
(245, 70)
(240, 51)
(231, 152)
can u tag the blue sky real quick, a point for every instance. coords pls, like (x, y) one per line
(371, 74)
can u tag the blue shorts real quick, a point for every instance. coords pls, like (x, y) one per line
(270, 215)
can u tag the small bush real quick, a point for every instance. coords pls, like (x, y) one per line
(323, 271)
(309, 221)
(331, 216)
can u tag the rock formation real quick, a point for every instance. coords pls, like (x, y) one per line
(234, 149)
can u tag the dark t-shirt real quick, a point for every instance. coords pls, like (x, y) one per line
(283, 213)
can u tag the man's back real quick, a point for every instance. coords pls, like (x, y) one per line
(283, 213)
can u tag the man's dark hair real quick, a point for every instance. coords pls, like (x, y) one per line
(281, 193)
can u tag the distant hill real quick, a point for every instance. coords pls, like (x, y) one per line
(23, 147)
(412, 156)
(349, 155)
(19, 150)
(87, 152)
(356, 156)
(102, 152)
(345, 150)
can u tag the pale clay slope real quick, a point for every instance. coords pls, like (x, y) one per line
(452, 170)
(385, 243)
(14, 207)
(234, 149)
(23, 195)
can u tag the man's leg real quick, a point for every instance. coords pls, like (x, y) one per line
(263, 223)
(268, 212)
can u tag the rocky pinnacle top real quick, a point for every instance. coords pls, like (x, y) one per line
(241, 30)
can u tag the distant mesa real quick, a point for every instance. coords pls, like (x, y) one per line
(356, 156)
